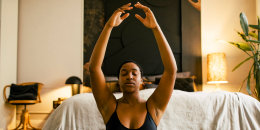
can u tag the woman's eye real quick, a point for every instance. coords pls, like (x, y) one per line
(123, 73)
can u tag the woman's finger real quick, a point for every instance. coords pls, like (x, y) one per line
(126, 7)
(120, 10)
(139, 18)
(125, 16)
(139, 5)
(128, 4)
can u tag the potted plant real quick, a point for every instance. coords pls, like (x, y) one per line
(251, 46)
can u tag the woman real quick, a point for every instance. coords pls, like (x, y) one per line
(130, 111)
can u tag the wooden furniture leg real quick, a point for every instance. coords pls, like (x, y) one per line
(19, 124)
(29, 123)
(25, 120)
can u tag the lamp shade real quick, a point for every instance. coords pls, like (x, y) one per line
(73, 80)
(216, 68)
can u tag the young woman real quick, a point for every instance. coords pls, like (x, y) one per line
(130, 111)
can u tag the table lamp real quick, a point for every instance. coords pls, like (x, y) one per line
(216, 68)
(75, 83)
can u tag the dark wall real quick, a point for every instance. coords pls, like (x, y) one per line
(131, 40)
(191, 40)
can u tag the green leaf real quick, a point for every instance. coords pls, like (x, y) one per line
(242, 35)
(248, 83)
(253, 34)
(258, 83)
(241, 45)
(242, 63)
(253, 41)
(242, 84)
(244, 23)
(254, 26)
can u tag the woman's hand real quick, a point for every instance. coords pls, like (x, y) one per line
(149, 21)
(195, 4)
(116, 18)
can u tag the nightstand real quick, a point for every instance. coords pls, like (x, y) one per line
(56, 103)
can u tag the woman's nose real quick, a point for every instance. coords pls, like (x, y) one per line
(129, 76)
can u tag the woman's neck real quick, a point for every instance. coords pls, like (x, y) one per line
(131, 98)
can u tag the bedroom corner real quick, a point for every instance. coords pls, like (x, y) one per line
(219, 23)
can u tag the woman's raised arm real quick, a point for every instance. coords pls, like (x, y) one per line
(105, 100)
(161, 96)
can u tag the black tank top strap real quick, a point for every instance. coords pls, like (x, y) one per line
(116, 105)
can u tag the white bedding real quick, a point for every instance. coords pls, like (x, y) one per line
(196, 111)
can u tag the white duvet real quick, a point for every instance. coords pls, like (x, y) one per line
(185, 111)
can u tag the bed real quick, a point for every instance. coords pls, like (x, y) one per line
(186, 110)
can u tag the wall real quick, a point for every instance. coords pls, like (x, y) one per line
(220, 21)
(8, 57)
(258, 7)
(50, 49)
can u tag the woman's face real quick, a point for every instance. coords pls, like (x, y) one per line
(130, 77)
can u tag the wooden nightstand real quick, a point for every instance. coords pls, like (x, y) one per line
(87, 89)
(56, 103)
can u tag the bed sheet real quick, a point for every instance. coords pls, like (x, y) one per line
(185, 111)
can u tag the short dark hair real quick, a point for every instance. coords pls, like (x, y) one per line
(129, 61)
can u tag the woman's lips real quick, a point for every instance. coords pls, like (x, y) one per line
(129, 84)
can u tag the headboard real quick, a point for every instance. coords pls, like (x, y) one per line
(179, 21)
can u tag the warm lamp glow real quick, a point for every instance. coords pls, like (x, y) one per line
(216, 68)
(75, 83)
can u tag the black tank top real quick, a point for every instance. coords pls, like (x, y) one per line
(115, 124)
